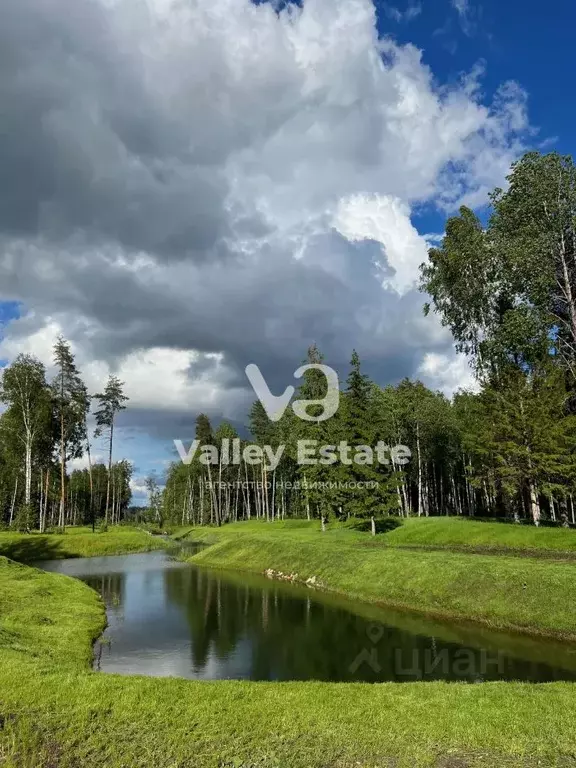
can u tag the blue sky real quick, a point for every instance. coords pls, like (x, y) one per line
(522, 41)
(183, 235)
(511, 40)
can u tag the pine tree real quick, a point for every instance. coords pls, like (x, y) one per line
(111, 403)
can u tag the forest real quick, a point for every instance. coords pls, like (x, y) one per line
(505, 286)
(44, 426)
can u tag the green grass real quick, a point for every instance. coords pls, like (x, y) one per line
(76, 542)
(507, 592)
(454, 532)
(46, 618)
(55, 712)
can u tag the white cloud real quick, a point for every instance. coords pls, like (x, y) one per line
(447, 373)
(82, 463)
(412, 11)
(154, 378)
(386, 220)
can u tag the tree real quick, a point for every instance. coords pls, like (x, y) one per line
(111, 403)
(70, 406)
(154, 499)
(362, 497)
(508, 291)
(25, 392)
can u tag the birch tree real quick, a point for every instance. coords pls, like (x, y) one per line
(27, 418)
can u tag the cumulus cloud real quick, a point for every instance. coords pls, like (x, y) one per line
(446, 373)
(192, 187)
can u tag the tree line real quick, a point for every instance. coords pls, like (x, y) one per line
(44, 426)
(507, 291)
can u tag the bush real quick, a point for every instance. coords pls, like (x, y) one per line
(383, 524)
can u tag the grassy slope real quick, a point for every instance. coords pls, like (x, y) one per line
(76, 542)
(510, 592)
(470, 534)
(55, 712)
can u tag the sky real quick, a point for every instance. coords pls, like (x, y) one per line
(190, 187)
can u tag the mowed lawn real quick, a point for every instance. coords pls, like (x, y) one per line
(445, 532)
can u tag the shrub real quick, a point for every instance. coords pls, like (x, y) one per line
(383, 524)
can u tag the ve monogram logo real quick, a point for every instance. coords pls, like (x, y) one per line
(275, 407)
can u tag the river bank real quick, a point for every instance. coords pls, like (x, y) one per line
(520, 594)
(77, 542)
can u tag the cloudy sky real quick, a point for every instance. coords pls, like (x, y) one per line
(191, 186)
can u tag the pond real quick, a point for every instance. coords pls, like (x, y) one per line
(170, 618)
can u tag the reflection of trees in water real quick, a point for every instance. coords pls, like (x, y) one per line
(111, 587)
(279, 632)
(287, 636)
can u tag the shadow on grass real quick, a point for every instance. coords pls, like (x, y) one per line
(34, 547)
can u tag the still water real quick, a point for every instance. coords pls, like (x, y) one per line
(169, 618)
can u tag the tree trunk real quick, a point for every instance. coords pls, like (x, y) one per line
(419, 470)
(13, 502)
(534, 505)
(61, 520)
(28, 471)
(92, 516)
(109, 474)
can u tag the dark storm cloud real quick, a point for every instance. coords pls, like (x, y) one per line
(85, 148)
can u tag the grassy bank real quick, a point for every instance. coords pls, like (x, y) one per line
(55, 712)
(76, 542)
(507, 592)
(46, 620)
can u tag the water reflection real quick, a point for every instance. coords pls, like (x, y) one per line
(169, 618)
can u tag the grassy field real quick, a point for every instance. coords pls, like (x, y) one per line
(76, 542)
(453, 533)
(54, 712)
(508, 592)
